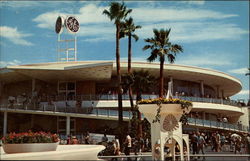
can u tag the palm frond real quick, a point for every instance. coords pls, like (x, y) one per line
(171, 58)
(135, 37)
(107, 13)
(147, 47)
(176, 48)
(153, 55)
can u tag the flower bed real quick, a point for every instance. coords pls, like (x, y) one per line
(29, 142)
(30, 137)
(184, 103)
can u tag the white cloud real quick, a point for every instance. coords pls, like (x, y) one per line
(7, 63)
(188, 25)
(19, 4)
(14, 35)
(195, 2)
(239, 71)
(195, 31)
(48, 19)
(243, 92)
(33, 4)
(89, 14)
(206, 60)
(148, 14)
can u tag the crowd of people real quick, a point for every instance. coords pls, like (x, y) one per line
(200, 143)
(220, 142)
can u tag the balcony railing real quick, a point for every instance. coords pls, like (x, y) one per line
(126, 97)
(217, 125)
(104, 112)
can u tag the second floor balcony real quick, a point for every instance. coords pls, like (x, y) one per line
(105, 113)
(77, 100)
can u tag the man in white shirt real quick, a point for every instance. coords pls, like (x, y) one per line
(128, 145)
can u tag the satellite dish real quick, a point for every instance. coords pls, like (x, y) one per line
(59, 25)
(72, 24)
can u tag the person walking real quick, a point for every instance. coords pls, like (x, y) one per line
(87, 138)
(128, 145)
(248, 143)
(218, 147)
(194, 142)
(213, 142)
(117, 142)
(201, 143)
(223, 141)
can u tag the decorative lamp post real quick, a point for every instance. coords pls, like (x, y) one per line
(166, 129)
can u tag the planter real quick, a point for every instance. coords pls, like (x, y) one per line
(63, 152)
(29, 147)
(150, 110)
(170, 114)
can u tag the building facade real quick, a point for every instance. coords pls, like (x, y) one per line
(75, 97)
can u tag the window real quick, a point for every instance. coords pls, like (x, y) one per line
(66, 90)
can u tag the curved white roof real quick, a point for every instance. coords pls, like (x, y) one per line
(103, 70)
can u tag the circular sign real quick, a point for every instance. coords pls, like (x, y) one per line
(72, 24)
(170, 123)
(59, 25)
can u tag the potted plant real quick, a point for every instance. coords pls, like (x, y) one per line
(30, 142)
(167, 112)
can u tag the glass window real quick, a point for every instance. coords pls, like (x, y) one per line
(71, 86)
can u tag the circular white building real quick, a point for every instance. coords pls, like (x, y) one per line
(75, 97)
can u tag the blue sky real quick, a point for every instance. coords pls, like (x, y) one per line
(214, 34)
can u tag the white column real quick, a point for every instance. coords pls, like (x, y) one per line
(33, 86)
(68, 125)
(5, 117)
(172, 85)
(202, 88)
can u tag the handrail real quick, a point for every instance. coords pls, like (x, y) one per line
(218, 125)
(98, 97)
(126, 114)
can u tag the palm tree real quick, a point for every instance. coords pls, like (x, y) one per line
(142, 82)
(160, 47)
(118, 12)
(128, 28)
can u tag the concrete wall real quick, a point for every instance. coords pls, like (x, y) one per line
(18, 88)
(85, 88)
(244, 118)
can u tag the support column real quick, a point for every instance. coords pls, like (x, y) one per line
(217, 91)
(33, 87)
(202, 88)
(172, 85)
(67, 125)
(1, 88)
(5, 123)
(222, 94)
(32, 121)
(203, 115)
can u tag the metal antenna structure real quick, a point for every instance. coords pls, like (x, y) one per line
(67, 42)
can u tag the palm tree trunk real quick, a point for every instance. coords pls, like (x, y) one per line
(139, 131)
(118, 69)
(129, 72)
(161, 78)
(140, 124)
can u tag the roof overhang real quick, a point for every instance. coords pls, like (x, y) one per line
(230, 85)
(66, 71)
